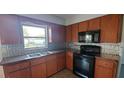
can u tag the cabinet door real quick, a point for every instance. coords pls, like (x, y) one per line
(110, 28)
(16, 66)
(60, 61)
(94, 24)
(68, 33)
(105, 68)
(69, 60)
(75, 32)
(103, 72)
(83, 26)
(38, 71)
(51, 64)
(25, 73)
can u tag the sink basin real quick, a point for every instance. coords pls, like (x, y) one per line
(34, 55)
(49, 52)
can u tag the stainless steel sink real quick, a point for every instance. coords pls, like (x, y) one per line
(35, 55)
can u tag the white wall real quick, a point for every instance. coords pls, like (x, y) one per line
(81, 17)
(46, 17)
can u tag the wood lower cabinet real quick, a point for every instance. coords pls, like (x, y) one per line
(24, 73)
(69, 60)
(51, 62)
(38, 71)
(60, 61)
(36, 68)
(105, 68)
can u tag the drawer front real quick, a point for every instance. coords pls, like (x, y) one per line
(24, 73)
(38, 61)
(105, 63)
(16, 66)
(101, 72)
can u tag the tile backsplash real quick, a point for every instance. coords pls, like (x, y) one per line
(107, 48)
(10, 50)
(18, 49)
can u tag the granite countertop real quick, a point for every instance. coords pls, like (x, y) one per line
(109, 56)
(9, 60)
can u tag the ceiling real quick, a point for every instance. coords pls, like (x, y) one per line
(65, 16)
(69, 16)
(64, 19)
(75, 18)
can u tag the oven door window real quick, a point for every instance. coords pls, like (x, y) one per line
(84, 65)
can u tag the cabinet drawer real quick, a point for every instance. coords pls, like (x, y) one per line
(105, 63)
(24, 73)
(16, 66)
(38, 61)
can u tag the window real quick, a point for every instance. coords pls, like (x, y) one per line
(35, 36)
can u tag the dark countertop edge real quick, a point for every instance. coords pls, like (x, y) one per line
(26, 59)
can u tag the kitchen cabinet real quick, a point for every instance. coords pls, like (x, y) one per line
(51, 63)
(94, 24)
(69, 59)
(75, 32)
(10, 30)
(17, 70)
(60, 61)
(23, 73)
(111, 28)
(38, 71)
(105, 68)
(83, 26)
(38, 67)
(9, 68)
(68, 33)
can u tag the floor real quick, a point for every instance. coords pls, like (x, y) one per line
(64, 74)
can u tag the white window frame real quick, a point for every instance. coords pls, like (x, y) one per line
(35, 25)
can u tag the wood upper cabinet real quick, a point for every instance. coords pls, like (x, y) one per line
(94, 24)
(75, 32)
(60, 61)
(51, 62)
(105, 68)
(10, 29)
(83, 26)
(69, 59)
(69, 33)
(111, 28)
(38, 68)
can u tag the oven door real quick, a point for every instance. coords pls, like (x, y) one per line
(84, 65)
